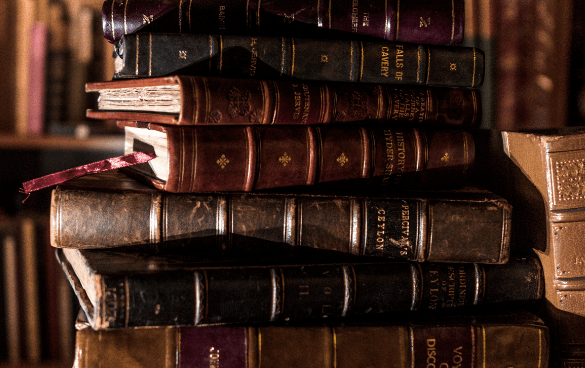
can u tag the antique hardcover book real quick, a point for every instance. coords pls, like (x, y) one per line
(240, 56)
(246, 158)
(129, 289)
(113, 210)
(420, 21)
(195, 100)
(501, 340)
(544, 181)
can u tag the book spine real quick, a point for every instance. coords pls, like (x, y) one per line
(235, 56)
(298, 292)
(257, 157)
(421, 21)
(414, 229)
(387, 346)
(228, 101)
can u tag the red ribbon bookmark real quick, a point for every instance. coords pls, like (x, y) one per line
(95, 167)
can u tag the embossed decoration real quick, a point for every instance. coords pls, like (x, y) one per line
(424, 23)
(223, 161)
(146, 19)
(342, 159)
(446, 158)
(285, 159)
(570, 179)
(324, 58)
(453, 66)
(358, 105)
(182, 54)
(255, 116)
(215, 117)
(238, 102)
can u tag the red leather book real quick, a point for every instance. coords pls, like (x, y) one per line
(417, 21)
(244, 158)
(192, 100)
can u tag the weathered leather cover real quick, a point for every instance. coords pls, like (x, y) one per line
(265, 57)
(246, 158)
(227, 101)
(129, 289)
(499, 341)
(416, 21)
(552, 164)
(450, 226)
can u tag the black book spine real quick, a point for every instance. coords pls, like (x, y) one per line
(296, 292)
(236, 56)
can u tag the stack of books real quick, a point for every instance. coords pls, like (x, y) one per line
(304, 206)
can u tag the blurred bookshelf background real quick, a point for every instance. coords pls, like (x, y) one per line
(535, 75)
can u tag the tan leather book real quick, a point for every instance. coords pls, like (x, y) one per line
(514, 340)
(546, 185)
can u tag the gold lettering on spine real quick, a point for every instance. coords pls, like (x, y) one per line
(384, 61)
(354, 15)
(221, 16)
(389, 167)
(434, 289)
(381, 228)
(253, 56)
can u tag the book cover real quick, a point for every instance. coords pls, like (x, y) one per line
(111, 210)
(502, 339)
(420, 21)
(142, 55)
(541, 174)
(196, 100)
(128, 289)
(254, 157)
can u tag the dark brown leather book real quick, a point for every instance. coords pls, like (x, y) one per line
(510, 340)
(420, 21)
(130, 289)
(264, 57)
(192, 100)
(113, 210)
(246, 158)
